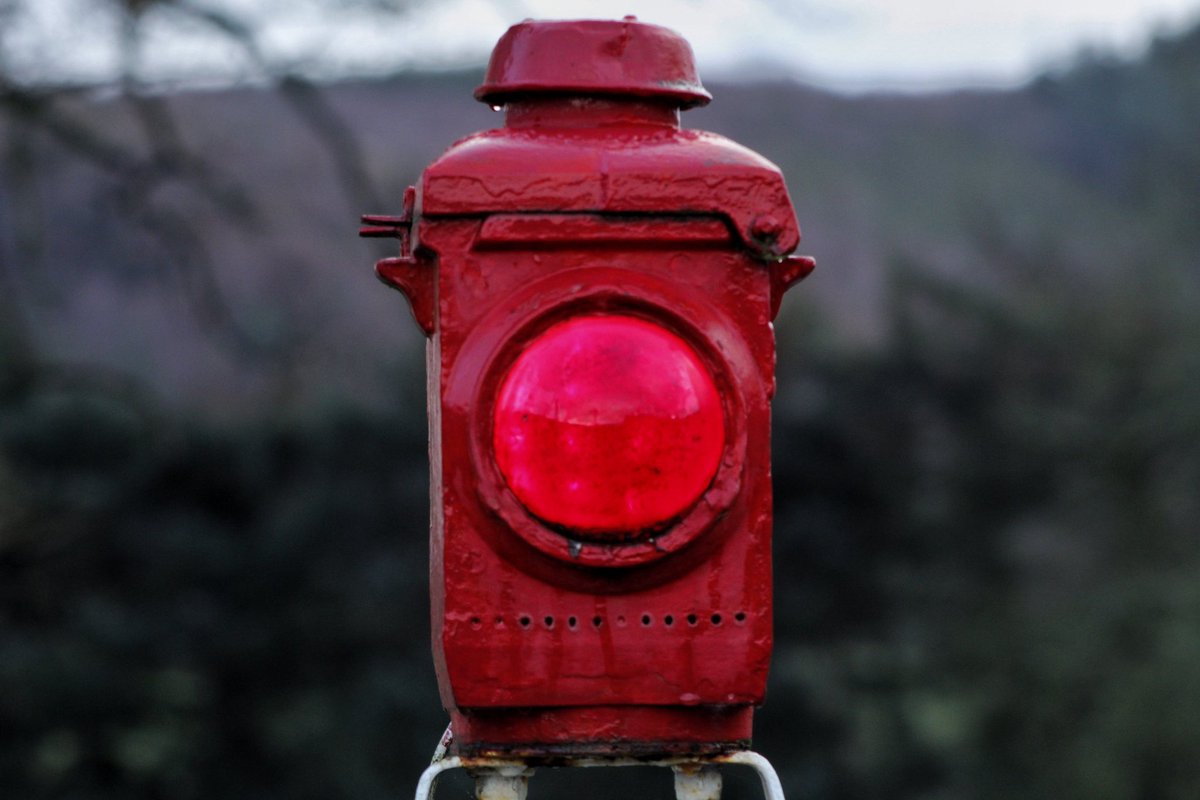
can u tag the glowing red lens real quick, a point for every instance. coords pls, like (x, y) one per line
(608, 426)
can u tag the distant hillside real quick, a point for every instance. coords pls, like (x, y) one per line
(1099, 165)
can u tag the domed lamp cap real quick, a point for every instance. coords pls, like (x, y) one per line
(592, 57)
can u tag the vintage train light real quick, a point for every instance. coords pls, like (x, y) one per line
(598, 287)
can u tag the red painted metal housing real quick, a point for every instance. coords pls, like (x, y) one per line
(592, 57)
(591, 201)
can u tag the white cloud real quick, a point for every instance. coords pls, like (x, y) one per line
(841, 42)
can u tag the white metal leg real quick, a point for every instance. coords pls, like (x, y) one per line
(697, 782)
(695, 779)
(772, 788)
(429, 777)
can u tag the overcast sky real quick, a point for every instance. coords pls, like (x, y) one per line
(849, 44)
(858, 42)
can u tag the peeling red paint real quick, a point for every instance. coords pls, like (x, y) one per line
(645, 633)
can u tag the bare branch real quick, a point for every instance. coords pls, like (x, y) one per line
(164, 157)
(336, 136)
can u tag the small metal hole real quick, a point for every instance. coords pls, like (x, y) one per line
(646, 620)
(740, 617)
(668, 620)
(716, 619)
(692, 619)
(476, 623)
(597, 622)
(572, 622)
(525, 621)
(549, 622)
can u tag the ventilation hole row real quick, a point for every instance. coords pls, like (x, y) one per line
(647, 620)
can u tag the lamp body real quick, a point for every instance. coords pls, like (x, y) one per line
(598, 287)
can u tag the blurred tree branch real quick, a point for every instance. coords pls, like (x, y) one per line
(138, 172)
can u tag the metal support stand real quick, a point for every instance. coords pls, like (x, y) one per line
(502, 783)
(695, 778)
(697, 782)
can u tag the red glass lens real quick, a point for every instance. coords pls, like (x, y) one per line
(608, 425)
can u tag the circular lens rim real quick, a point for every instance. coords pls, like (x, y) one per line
(630, 298)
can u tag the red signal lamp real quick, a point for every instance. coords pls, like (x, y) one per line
(598, 285)
(608, 426)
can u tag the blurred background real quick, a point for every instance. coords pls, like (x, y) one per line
(213, 476)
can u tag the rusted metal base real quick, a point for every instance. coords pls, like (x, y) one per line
(696, 778)
(543, 736)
